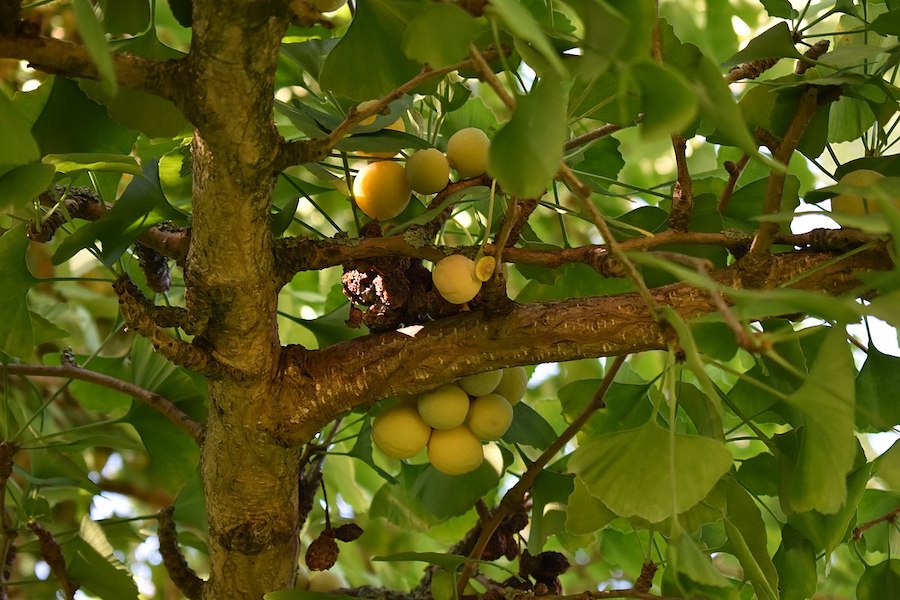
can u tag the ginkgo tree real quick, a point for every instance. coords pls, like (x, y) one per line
(204, 309)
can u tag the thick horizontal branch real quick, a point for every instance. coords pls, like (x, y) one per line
(294, 255)
(164, 406)
(415, 359)
(72, 60)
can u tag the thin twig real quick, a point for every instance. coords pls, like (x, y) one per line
(890, 517)
(734, 173)
(595, 134)
(513, 499)
(164, 406)
(683, 193)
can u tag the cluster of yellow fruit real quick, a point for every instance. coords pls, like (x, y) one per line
(382, 189)
(453, 420)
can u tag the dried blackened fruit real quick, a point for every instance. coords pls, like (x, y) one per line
(543, 567)
(348, 532)
(322, 553)
(155, 267)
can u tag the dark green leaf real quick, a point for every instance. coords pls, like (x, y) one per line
(779, 8)
(448, 562)
(796, 564)
(747, 541)
(880, 581)
(877, 390)
(668, 101)
(446, 496)
(775, 42)
(105, 577)
(369, 62)
(550, 489)
(529, 428)
(126, 16)
(16, 334)
(362, 449)
(75, 162)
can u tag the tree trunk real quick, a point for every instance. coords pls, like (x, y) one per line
(251, 483)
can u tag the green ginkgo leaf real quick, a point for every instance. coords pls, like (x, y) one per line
(648, 473)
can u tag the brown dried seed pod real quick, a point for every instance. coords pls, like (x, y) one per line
(155, 267)
(348, 532)
(322, 552)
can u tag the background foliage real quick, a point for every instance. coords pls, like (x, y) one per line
(742, 470)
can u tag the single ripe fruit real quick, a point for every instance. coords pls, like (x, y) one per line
(427, 171)
(484, 268)
(454, 278)
(455, 451)
(482, 383)
(513, 384)
(400, 432)
(381, 190)
(445, 407)
(490, 416)
(467, 151)
(853, 204)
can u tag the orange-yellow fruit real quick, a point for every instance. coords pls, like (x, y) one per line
(455, 451)
(513, 384)
(854, 204)
(467, 151)
(484, 268)
(490, 416)
(454, 278)
(363, 106)
(481, 383)
(427, 171)
(381, 190)
(400, 432)
(445, 407)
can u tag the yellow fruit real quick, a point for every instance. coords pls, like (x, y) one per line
(400, 432)
(513, 384)
(326, 581)
(380, 189)
(445, 407)
(427, 171)
(494, 457)
(455, 451)
(467, 151)
(490, 416)
(484, 268)
(395, 126)
(363, 106)
(482, 383)
(327, 5)
(854, 204)
(454, 278)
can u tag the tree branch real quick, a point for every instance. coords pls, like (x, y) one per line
(164, 406)
(139, 314)
(181, 574)
(72, 60)
(414, 359)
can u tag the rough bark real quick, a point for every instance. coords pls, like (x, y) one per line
(251, 482)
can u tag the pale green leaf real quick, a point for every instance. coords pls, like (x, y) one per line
(91, 33)
(585, 514)
(796, 564)
(17, 146)
(880, 581)
(668, 101)
(824, 407)
(21, 185)
(642, 472)
(525, 154)
(775, 42)
(104, 577)
(440, 35)
(523, 26)
(93, 161)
